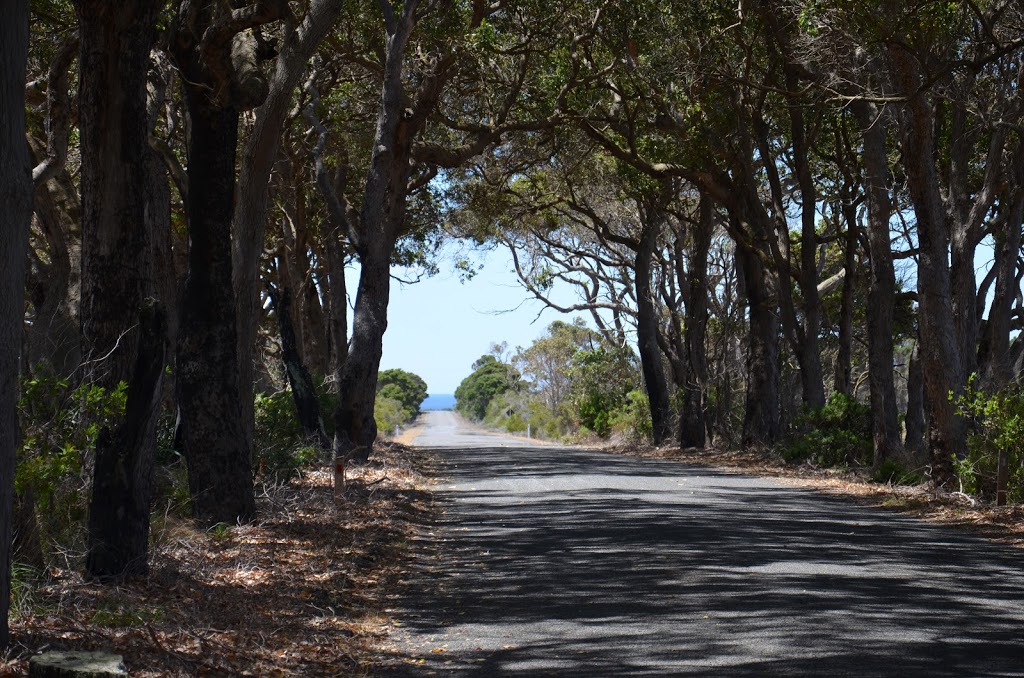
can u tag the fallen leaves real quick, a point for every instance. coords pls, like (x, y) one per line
(301, 592)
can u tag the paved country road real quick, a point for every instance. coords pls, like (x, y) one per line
(551, 561)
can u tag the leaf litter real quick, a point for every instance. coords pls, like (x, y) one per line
(303, 591)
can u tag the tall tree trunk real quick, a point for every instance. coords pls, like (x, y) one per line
(761, 420)
(940, 349)
(997, 370)
(258, 159)
(303, 390)
(692, 429)
(885, 432)
(915, 419)
(210, 429)
(15, 217)
(119, 507)
(647, 334)
(381, 223)
(843, 381)
(354, 423)
(117, 272)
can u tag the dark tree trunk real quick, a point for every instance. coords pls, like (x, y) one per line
(915, 419)
(355, 427)
(210, 417)
(997, 369)
(117, 269)
(940, 348)
(15, 216)
(844, 360)
(882, 293)
(119, 509)
(647, 336)
(115, 40)
(303, 390)
(761, 420)
(381, 223)
(692, 429)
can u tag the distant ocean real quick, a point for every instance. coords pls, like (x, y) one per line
(438, 402)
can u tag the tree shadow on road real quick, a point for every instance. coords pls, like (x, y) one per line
(562, 562)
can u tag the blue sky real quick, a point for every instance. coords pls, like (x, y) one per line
(439, 326)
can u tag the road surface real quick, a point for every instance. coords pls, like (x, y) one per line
(550, 561)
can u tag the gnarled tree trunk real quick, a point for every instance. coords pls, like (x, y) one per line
(117, 272)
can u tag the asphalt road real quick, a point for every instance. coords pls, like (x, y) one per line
(551, 561)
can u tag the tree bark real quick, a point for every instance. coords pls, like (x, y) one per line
(303, 390)
(118, 543)
(915, 419)
(647, 333)
(940, 349)
(762, 417)
(115, 40)
(381, 223)
(692, 429)
(117, 272)
(15, 217)
(210, 417)
(258, 157)
(997, 370)
(885, 432)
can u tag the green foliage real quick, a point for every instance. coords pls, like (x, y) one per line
(405, 387)
(388, 413)
(115, 614)
(999, 419)
(839, 434)
(489, 379)
(279, 447)
(601, 381)
(60, 424)
(633, 420)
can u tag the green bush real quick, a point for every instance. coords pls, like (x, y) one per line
(280, 450)
(601, 382)
(407, 388)
(490, 378)
(389, 414)
(838, 434)
(999, 419)
(633, 420)
(891, 471)
(60, 425)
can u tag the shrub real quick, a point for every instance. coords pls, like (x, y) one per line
(388, 413)
(838, 434)
(60, 425)
(633, 420)
(999, 419)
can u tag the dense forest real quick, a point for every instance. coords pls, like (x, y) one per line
(782, 216)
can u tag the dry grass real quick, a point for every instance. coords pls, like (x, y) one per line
(1002, 524)
(301, 592)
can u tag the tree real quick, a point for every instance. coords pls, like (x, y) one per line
(214, 49)
(15, 215)
(124, 339)
(407, 388)
(490, 378)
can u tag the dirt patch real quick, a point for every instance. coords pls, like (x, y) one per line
(302, 592)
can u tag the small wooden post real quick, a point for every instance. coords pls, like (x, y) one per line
(339, 479)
